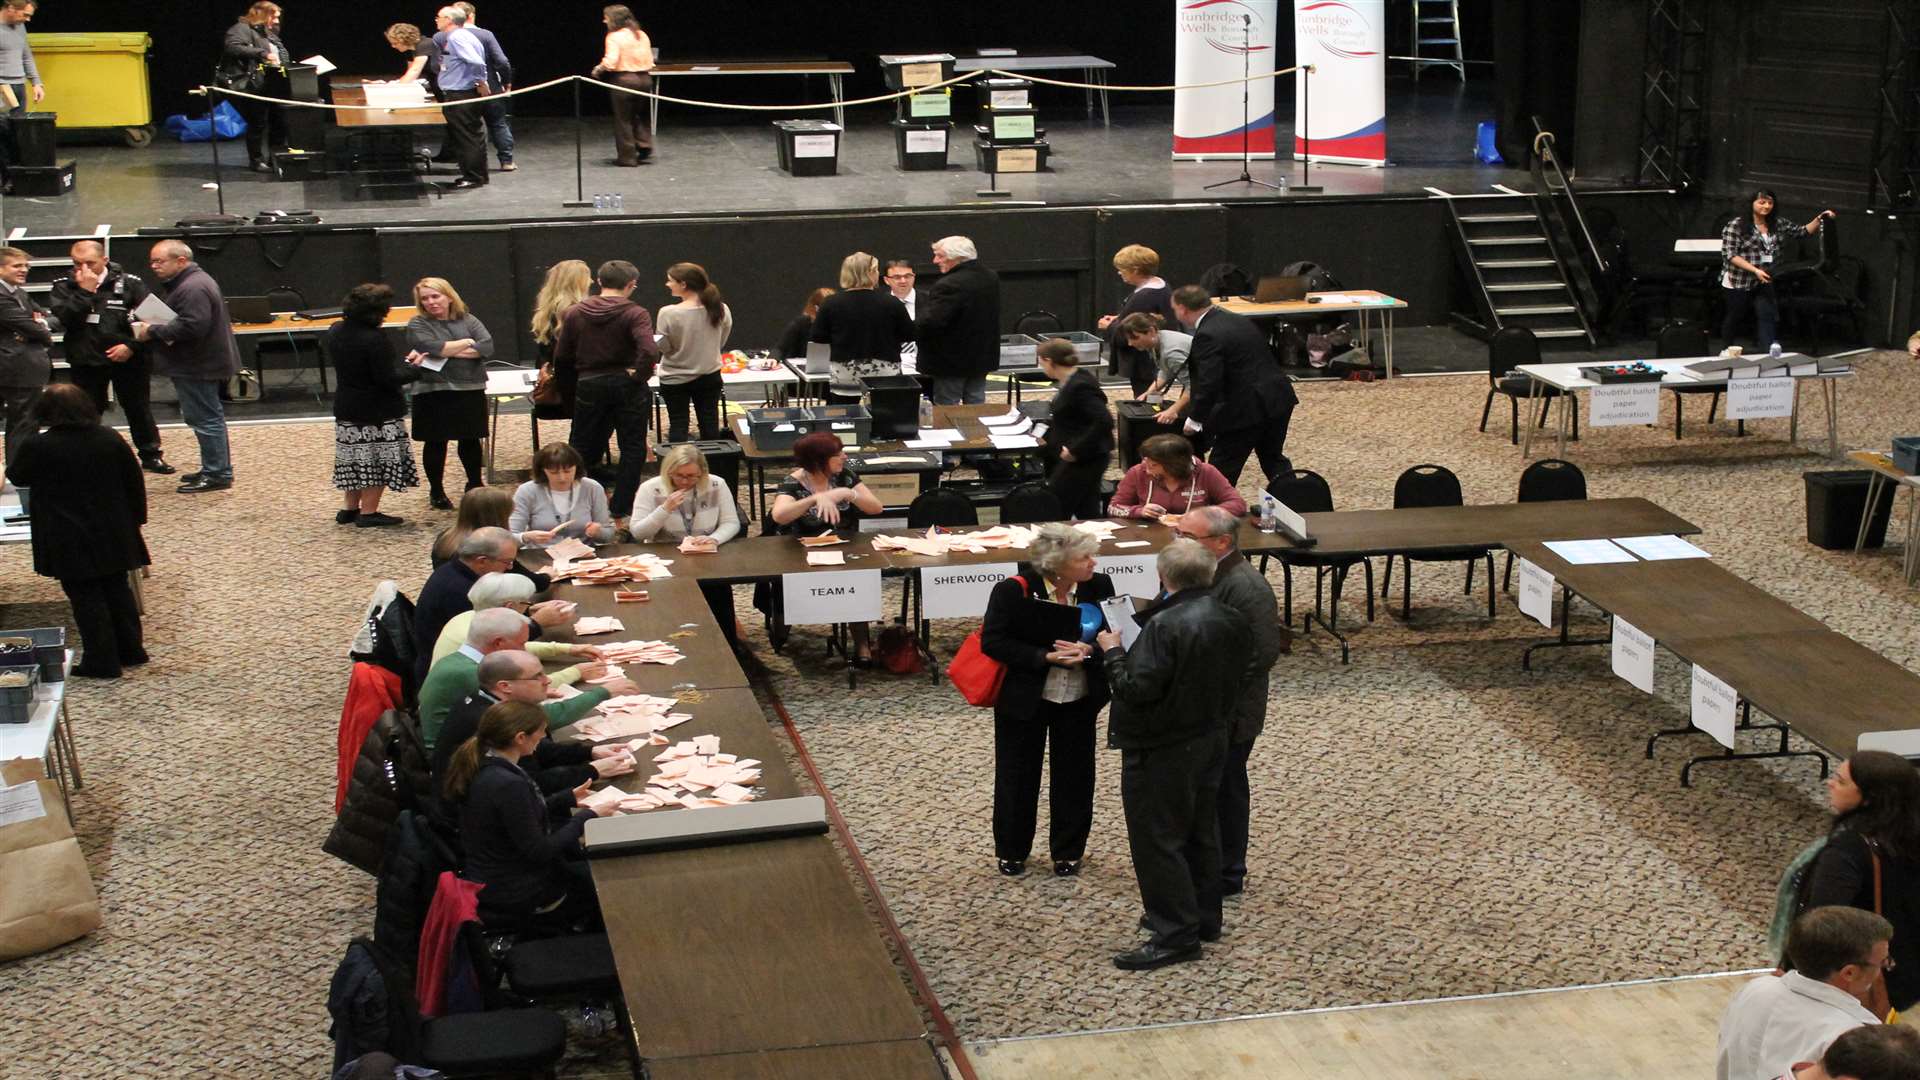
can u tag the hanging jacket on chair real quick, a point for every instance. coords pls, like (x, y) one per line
(446, 982)
(390, 775)
(371, 690)
(415, 858)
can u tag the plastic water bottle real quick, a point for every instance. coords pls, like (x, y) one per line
(1269, 520)
(1774, 353)
(599, 202)
(926, 414)
(619, 201)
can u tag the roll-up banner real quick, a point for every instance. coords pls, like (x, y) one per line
(1345, 42)
(1215, 40)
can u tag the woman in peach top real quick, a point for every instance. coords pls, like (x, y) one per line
(627, 64)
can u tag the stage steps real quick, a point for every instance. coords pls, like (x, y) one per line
(1436, 37)
(1514, 272)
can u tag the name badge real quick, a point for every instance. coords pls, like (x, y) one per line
(94, 318)
(1767, 258)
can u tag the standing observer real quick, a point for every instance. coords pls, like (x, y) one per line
(1749, 253)
(863, 329)
(197, 351)
(1139, 268)
(693, 331)
(94, 305)
(449, 405)
(958, 327)
(497, 112)
(605, 347)
(463, 77)
(251, 49)
(1079, 441)
(1241, 398)
(24, 336)
(17, 71)
(1173, 698)
(627, 63)
(370, 451)
(89, 504)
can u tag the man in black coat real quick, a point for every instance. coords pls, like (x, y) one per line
(1173, 696)
(197, 351)
(24, 337)
(94, 306)
(1241, 398)
(958, 325)
(485, 551)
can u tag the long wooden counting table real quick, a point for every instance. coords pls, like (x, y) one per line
(743, 960)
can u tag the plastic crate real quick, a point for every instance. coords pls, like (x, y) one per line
(16, 701)
(1028, 158)
(49, 649)
(922, 147)
(1086, 347)
(777, 429)
(895, 404)
(1018, 351)
(1906, 453)
(1835, 502)
(800, 143)
(905, 72)
(852, 423)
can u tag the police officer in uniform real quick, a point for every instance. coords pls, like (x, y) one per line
(94, 304)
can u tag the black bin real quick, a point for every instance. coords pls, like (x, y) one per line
(894, 401)
(33, 139)
(1133, 425)
(723, 459)
(1835, 501)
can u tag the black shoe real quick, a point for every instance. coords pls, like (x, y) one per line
(194, 475)
(1150, 956)
(156, 465)
(260, 167)
(200, 483)
(643, 152)
(1205, 934)
(376, 520)
(135, 659)
(865, 663)
(1066, 868)
(439, 501)
(1233, 888)
(467, 183)
(345, 517)
(1013, 867)
(89, 671)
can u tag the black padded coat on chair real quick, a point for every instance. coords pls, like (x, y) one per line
(1433, 485)
(1506, 350)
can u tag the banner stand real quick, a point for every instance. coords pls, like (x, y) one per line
(1208, 35)
(1342, 43)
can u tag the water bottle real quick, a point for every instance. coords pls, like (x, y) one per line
(1774, 353)
(1269, 521)
(926, 414)
(619, 201)
(599, 202)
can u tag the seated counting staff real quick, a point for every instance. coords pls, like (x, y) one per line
(1170, 480)
(479, 508)
(686, 501)
(519, 843)
(515, 593)
(456, 676)
(822, 496)
(560, 501)
(513, 675)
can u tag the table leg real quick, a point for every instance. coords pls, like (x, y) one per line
(1533, 417)
(1793, 416)
(493, 435)
(73, 753)
(1912, 552)
(839, 110)
(1563, 410)
(1106, 116)
(1386, 319)
(1830, 390)
(653, 106)
(1086, 76)
(1874, 480)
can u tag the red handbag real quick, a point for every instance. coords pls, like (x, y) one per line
(975, 674)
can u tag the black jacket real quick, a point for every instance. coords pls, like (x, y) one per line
(369, 372)
(1007, 638)
(441, 598)
(86, 342)
(1080, 420)
(198, 343)
(389, 775)
(244, 52)
(1182, 675)
(959, 324)
(1843, 874)
(23, 341)
(1157, 301)
(504, 830)
(861, 324)
(793, 340)
(89, 501)
(555, 766)
(1236, 381)
(1246, 590)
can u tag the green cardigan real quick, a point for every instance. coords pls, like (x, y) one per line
(456, 675)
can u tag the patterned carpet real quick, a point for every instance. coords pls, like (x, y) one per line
(1430, 820)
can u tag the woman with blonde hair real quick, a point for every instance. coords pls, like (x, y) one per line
(687, 500)
(1139, 267)
(449, 404)
(568, 282)
(863, 327)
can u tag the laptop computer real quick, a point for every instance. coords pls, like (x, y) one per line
(1279, 288)
(249, 310)
(817, 354)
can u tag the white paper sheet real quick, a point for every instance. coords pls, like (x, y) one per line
(1585, 552)
(1536, 593)
(1119, 612)
(321, 65)
(1713, 706)
(21, 802)
(1014, 442)
(1012, 416)
(153, 310)
(1655, 548)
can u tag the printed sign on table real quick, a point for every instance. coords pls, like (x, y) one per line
(831, 596)
(960, 592)
(1713, 706)
(1757, 399)
(1633, 655)
(1617, 404)
(1536, 593)
(1133, 575)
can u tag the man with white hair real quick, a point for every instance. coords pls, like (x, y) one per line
(197, 351)
(1173, 699)
(463, 77)
(958, 324)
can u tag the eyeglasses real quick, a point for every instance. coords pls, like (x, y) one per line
(891, 275)
(542, 677)
(1884, 965)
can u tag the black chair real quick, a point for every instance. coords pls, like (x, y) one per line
(947, 508)
(574, 969)
(1678, 340)
(1826, 296)
(1547, 480)
(1508, 349)
(1433, 485)
(1306, 492)
(524, 1041)
(1027, 504)
(1039, 324)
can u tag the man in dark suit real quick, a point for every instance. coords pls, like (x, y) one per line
(25, 333)
(1241, 398)
(958, 325)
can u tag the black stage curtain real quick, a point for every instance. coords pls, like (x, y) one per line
(1534, 46)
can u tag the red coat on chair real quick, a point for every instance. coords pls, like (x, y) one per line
(371, 690)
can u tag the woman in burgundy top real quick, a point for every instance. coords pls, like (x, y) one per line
(1169, 481)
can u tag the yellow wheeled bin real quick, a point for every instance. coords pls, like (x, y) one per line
(96, 81)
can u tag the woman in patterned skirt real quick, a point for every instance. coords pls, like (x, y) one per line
(370, 448)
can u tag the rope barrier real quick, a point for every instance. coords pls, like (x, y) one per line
(1148, 89)
(790, 108)
(203, 90)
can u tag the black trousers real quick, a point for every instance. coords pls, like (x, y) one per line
(703, 395)
(466, 135)
(109, 622)
(132, 384)
(1236, 802)
(1759, 304)
(15, 401)
(1269, 440)
(1077, 483)
(1171, 795)
(1018, 746)
(266, 127)
(613, 406)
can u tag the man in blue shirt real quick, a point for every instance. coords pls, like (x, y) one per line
(463, 78)
(499, 78)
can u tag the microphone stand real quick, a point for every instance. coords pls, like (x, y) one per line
(213, 141)
(1246, 116)
(1306, 137)
(579, 183)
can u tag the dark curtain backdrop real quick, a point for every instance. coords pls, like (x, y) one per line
(1534, 49)
(550, 39)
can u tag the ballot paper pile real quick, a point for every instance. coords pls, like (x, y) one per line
(630, 715)
(615, 570)
(594, 624)
(640, 652)
(934, 543)
(693, 774)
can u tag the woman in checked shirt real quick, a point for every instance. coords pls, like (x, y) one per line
(1749, 251)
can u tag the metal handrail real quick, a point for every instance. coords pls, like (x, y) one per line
(1543, 153)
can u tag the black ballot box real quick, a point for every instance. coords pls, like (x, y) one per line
(922, 147)
(1134, 424)
(808, 147)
